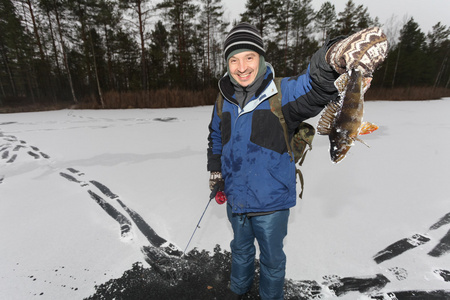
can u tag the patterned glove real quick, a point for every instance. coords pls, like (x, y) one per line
(216, 178)
(365, 49)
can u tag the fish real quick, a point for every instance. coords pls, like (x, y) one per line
(342, 120)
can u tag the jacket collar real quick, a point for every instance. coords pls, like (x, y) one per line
(267, 92)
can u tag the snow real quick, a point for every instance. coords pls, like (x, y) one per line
(58, 243)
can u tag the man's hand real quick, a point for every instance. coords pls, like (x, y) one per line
(365, 50)
(217, 185)
(216, 179)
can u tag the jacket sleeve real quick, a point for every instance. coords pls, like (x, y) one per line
(305, 95)
(214, 143)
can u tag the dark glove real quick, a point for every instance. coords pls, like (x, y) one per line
(216, 179)
(217, 185)
(365, 50)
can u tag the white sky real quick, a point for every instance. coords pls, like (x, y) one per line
(425, 13)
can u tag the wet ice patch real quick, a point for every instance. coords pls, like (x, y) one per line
(166, 119)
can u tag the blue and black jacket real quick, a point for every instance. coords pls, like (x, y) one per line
(247, 144)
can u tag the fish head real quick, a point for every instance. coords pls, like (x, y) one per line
(339, 148)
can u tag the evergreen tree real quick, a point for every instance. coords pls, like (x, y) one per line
(279, 55)
(412, 60)
(57, 14)
(31, 18)
(158, 56)
(44, 81)
(141, 10)
(126, 64)
(212, 29)
(302, 29)
(363, 19)
(64, 49)
(122, 53)
(346, 22)
(49, 34)
(439, 54)
(107, 21)
(15, 54)
(87, 48)
(180, 15)
(261, 13)
(325, 19)
(353, 19)
(275, 56)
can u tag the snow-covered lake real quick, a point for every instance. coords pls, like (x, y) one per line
(58, 242)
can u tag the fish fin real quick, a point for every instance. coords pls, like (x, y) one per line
(327, 118)
(366, 84)
(341, 82)
(366, 128)
(361, 141)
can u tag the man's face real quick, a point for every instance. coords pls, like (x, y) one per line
(244, 67)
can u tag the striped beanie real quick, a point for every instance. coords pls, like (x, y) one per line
(243, 36)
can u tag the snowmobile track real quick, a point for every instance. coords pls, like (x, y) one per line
(125, 224)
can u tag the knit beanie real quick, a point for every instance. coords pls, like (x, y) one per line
(243, 36)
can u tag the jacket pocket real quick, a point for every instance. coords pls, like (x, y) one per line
(225, 127)
(267, 131)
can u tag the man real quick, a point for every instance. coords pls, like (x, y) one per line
(247, 152)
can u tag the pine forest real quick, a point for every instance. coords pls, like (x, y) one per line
(142, 54)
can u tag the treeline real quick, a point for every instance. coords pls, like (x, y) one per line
(134, 53)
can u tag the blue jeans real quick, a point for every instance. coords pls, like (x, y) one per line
(269, 231)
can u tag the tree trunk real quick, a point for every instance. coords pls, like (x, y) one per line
(46, 70)
(396, 65)
(141, 35)
(99, 89)
(35, 31)
(2, 90)
(55, 49)
(439, 75)
(111, 78)
(8, 69)
(85, 39)
(63, 47)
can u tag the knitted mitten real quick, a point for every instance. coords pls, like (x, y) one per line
(216, 178)
(365, 49)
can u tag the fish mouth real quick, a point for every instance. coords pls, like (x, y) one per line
(338, 156)
(338, 152)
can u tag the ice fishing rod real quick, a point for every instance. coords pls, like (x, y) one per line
(220, 199)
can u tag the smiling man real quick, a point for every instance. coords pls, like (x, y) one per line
(243, 67)
(247, 152)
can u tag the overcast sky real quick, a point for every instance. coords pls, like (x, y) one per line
(425, 12)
